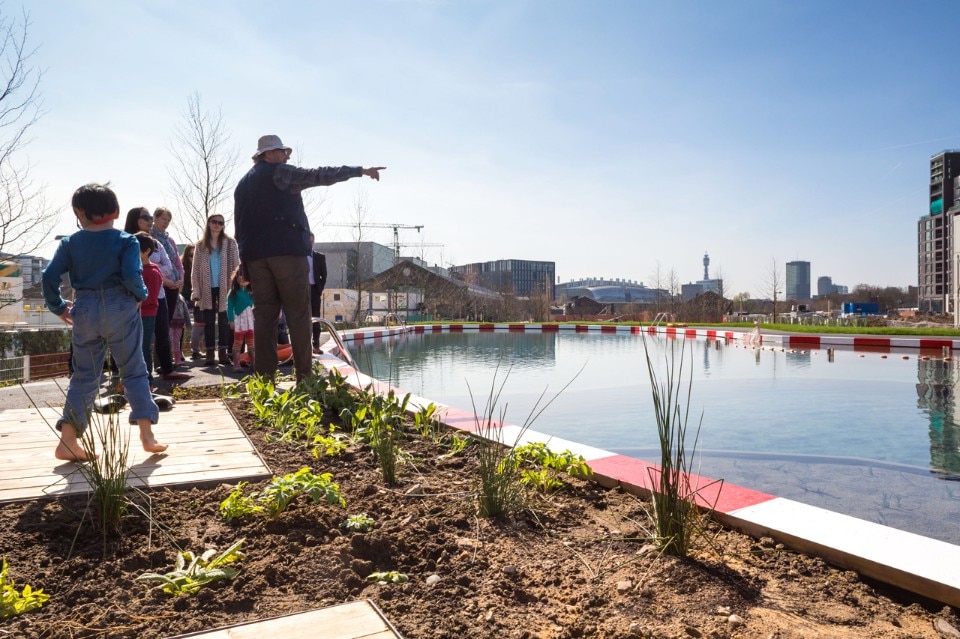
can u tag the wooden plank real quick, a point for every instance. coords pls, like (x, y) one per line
(222, 443)
(356, 620)
(164, 467)
(206, 445)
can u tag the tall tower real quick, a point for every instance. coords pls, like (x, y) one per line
(706, 266)
(935, 235)
(798, 280)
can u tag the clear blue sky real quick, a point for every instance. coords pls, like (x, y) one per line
(608, 136)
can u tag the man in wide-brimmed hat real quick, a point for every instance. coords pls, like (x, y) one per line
(273, 234)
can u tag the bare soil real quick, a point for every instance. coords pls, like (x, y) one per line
(576, 563)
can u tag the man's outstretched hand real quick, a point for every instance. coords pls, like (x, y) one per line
(373, 172)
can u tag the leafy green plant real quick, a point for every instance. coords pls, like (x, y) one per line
(281, 491)
(333, 391)
(458, 443)
(360, 522)
(377, 420)
(392, 577)
(14, 602)
(237, 505)
(428, 424)
(332, 445)
(540, 467)
(279, 494)
(192, 572)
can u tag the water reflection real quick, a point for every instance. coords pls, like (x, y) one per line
(936, 390)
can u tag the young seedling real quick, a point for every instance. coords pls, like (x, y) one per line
(14, 602)
(361, 522)
(192, 572)
(392, 577)
(237, 505)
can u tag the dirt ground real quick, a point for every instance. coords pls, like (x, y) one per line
(576, 563)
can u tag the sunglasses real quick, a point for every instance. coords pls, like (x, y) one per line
(148, 218)
(217, 222)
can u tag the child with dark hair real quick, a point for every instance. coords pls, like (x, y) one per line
(150, 306)
(240, 317)
(106, 272)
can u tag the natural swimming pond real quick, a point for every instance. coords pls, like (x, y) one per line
(858, 433)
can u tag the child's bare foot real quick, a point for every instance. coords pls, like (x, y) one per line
(73, 452)
(151, 445)
(69, 448)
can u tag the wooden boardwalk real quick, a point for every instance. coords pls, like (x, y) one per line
(357, 620)
(206, 445)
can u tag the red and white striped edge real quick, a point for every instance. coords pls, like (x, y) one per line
(907, 560)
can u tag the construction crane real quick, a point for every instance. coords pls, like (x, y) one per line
(422, 245)
(396, 228)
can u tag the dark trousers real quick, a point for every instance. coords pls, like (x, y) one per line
(162, 335)
(315, 298)
(215, 322)
(149, 324)
(281, 282)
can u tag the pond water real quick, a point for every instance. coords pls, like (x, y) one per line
(860, 433)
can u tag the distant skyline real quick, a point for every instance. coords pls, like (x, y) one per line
(609, 137)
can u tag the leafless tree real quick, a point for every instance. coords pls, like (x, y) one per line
(674, 287)
(658, 284)
(773, 286)
(355, 262)
(313, 199)
(203, 168)
(740, 299)
(25, 219)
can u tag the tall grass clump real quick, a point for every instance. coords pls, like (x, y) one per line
(677, 520)
(109, 472)
(501, 486)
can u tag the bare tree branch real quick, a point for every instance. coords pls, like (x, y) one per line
(25, 219)
(773, 286)
(203, 166)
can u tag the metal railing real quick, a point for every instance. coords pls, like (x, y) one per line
(344, 351)
(402, 324)
(660, 317)
(27, 368)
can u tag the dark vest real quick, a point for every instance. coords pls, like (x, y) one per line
(269, 222)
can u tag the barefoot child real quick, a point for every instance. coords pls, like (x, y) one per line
(105, 270)
(240, 317)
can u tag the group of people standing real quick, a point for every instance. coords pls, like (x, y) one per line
(132, 287)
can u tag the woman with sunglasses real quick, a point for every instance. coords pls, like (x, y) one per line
(139, 219)
(215, 259)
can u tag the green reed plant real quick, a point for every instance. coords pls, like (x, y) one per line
(109, 472)
(501, 489)
(677, 520)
